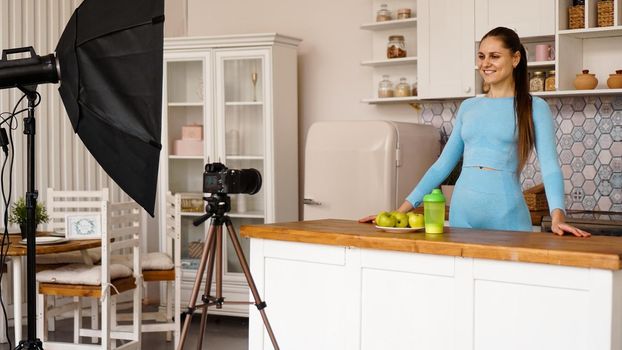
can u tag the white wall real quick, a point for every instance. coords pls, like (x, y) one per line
(331, 80)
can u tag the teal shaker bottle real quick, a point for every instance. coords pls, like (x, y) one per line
(434, 211)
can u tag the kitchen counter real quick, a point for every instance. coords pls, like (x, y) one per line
(338, 284)
(596, 252)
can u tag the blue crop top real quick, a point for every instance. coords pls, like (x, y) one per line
(485, 134)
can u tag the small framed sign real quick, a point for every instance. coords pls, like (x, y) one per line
(83, 226)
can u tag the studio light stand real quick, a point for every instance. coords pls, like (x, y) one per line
(218, 205)
(31, 342)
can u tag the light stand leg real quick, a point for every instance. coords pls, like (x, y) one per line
(31, 203)
(261, 305)
(211, 233)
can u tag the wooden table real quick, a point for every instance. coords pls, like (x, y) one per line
(339, 284)
(17, 250)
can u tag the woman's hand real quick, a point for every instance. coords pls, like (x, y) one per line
(559, 227)
(404, 208)
(368, 219)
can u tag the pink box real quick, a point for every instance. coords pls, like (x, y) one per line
(188, 148)
(192, 132)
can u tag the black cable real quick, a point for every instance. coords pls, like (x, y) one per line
(12, 124)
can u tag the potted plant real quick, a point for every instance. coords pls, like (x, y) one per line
(18, 215)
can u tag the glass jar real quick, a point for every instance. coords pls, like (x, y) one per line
(549, 82)
(396, 48)
(383, 14)
(536, 83)
(402, 89)
(414, 90)
(403, 13)
(385, 87)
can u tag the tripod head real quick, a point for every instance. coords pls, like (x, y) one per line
(218, 205)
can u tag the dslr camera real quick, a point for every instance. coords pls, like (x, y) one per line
(217, 178)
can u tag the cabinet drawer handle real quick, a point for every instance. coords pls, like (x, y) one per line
(467, 89)
(310, 201)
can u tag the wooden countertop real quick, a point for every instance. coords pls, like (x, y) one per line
(601, 252)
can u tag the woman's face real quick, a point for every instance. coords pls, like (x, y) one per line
(495, 62)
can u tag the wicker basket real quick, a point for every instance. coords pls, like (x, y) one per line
(605, 13)
(576, 17)
(195, 249)
(536, 198)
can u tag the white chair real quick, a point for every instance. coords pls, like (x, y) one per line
(165, 268)
(120, 226)
(59, 204)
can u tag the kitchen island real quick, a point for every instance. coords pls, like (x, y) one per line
(339, 284)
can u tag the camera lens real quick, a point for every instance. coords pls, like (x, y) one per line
(250, 181)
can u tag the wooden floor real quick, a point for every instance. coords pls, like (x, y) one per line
(230, 333)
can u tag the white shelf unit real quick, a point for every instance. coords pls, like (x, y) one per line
(594, 48)
(395, 68)
(245, 125)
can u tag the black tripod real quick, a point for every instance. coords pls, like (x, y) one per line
(32, 342)
(218, 205)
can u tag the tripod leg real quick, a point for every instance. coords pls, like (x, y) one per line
(251, 283)
(208, 285)
(211, 233)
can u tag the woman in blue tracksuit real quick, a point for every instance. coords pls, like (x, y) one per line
(494, 135)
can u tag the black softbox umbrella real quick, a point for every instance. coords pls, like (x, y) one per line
(110, 58)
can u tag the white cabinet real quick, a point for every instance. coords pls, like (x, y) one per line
(594, 48)
(395, 68)
(378, 299)
(445, 39)
(242, 90)
(437, 38)
(529, 18)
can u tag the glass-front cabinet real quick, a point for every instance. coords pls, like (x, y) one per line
(233, 100)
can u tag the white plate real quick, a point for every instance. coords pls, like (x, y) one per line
(46, 240)
(58, 233)
(399, 229)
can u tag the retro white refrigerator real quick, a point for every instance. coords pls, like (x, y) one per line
(358, 168)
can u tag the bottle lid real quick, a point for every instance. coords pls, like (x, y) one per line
(551, 72)
(435, 196)
(396, 37)
(538, 73)
(403, 11)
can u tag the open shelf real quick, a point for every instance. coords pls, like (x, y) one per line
(244, 103)
(392, 100)
(563, 93)
(390, 62)
(388, 25)
(185, 104)
(589, 33)
(185, 157)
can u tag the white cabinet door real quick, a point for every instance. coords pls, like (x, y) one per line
(528, 18)
(446, 60)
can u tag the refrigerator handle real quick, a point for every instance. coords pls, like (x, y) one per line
(310, 201)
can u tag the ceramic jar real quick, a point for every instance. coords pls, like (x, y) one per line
(585, 81)
(615, 80)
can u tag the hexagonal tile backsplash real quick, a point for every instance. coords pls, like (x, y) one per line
(589, 144)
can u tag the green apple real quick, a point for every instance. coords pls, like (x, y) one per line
(401, 219)
(415, 220)
(385, 219)
(378, 216)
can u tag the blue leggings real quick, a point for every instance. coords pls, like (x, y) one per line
(490, 200)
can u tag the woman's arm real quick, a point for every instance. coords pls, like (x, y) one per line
(551, 172)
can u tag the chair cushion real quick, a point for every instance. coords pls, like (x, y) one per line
(157, 261)
(68, 257)
(149, 261)
(82, 274)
